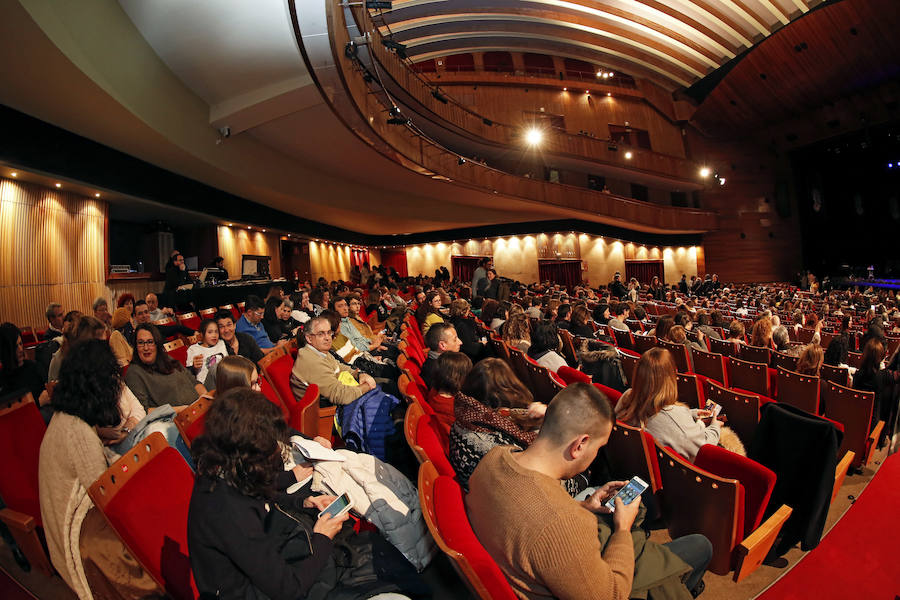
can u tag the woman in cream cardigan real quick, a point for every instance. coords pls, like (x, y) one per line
(83, 548)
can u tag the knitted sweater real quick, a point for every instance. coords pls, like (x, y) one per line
(71, 459)
(544, 542)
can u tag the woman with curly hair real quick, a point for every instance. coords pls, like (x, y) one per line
(155, 377)
(247, 538)
(517, 332)
(83, 548)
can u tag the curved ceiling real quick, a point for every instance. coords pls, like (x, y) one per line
(675, 43)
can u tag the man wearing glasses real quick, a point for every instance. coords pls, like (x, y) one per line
(251, 324)
(315, 364)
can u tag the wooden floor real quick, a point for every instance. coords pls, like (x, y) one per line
(447, 586)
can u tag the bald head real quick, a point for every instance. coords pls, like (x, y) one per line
(579, 409)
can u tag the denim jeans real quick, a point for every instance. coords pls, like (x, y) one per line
(696, 551)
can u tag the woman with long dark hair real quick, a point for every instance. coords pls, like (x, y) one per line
(545, 346)
(429, 312)
(872, 377)
(16, 372)
(83, 548)
(277, 319)
(247, 538)
(155, 377)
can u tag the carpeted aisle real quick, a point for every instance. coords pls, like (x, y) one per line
(858, 557)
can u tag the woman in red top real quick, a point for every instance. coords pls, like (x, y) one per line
(451, 371)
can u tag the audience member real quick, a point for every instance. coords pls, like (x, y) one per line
(176, 274)
(601, 362)
(781, 339)
(562, 554)
(736, 334)
(337, 382)
(546, 345)
(837, 353)
(277, 320)
(616, 287)
(156, 312)
(251, 324)
(516, 332)
(429, 312)
(85, 550)
(83, 328)
(810, 360)
(17, 373)
(155, 377)
(101, 311)
(652, 403)
(449, 374)
(563, 316)
(442, 337)
(580, 325)
(241, 524)
(619, 312)
(351, 331)
(479, 275)
(873, 377)
(761, 336)
(121, 336)
(242, 344)
(54, 314)
(203, 356)
(490, 285)
(467, 330)
(499, 317)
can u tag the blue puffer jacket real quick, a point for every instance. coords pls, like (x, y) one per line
(366, 422)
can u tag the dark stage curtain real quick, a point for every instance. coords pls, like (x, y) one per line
(463, 267)
(564, 272)
(644, 270)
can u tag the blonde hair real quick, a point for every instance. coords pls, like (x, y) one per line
(516, 329)
(677, 335)
(654, 387)
(459, 307)
(762, 333)
(810, 360)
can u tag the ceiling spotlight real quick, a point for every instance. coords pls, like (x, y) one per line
(59, 185)
(461, 161)
(97, 195)
(533, 136)
(601, 73)
(628, 155)
(588, 92)
(248, 227)
(565, 89)
(721, 181)
(890, 166)
(610, 74)
(609, 94)
(704, 172)
(230, 224)
(14, 174)
(263, 230)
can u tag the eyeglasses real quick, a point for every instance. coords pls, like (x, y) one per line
(329, 333)
(145, 342)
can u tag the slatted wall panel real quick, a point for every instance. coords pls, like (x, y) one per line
(235, 241)
(52, 246)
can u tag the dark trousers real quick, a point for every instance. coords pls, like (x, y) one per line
(696, 551)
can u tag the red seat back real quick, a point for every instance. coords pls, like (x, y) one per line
(177, 350)
(570, 375)
(723, 347)
(21, 432)
(189, 320)
(758, 481)
(838, 375)
(785, 361)
(642, 343)
(689, 390)
(275, 367)
(145, 496)
(190, 421)
(443, 507)
(631, 451)
(612, 394)
(623, 338)
(272, 396)
(742, 410)
(756, 354)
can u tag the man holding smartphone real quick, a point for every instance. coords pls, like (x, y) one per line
(550, 545)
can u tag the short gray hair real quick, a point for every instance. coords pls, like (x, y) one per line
(51, 308)
(98, 303)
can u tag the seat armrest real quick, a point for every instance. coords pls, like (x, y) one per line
(18, 521)
(750, 553)
(840, 472)
(872, 442)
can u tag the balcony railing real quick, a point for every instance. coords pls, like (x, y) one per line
(416, 152)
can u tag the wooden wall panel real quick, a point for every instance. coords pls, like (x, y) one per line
(331, 261)
(770, 247)
(51, 249)
(235, 242)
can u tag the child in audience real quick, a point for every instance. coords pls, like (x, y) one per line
(203, 356)
(446, 381)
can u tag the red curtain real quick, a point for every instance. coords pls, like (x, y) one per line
(396, 259)
(564, 272)
(463, 267)
(644, 270)
(358, 257)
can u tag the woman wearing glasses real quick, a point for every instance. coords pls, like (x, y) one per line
(156, 378)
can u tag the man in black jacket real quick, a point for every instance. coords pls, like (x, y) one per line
(616, 288)
(238, 343)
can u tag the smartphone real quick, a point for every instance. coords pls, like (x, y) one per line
(631, 490)
(714, 408)
(341, 505)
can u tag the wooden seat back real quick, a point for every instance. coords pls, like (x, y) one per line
(679, 354)
(723, 347)
(785, 361)
(631, 451)
(709, 364)
(623, 338)
(629, 364)
(756, 354)
(568, 346)
(753, 377)
(500, 349)
(853, 409)
(838, 375)
(544, 385)
(642, 343)
(798, 390)
(519, 365)
(190, 421)
(689, 390)
(742, 410)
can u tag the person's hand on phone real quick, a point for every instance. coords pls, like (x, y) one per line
(320, 503)
(330, 526)
(703, 413)
(625, 514)
(595, 501)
